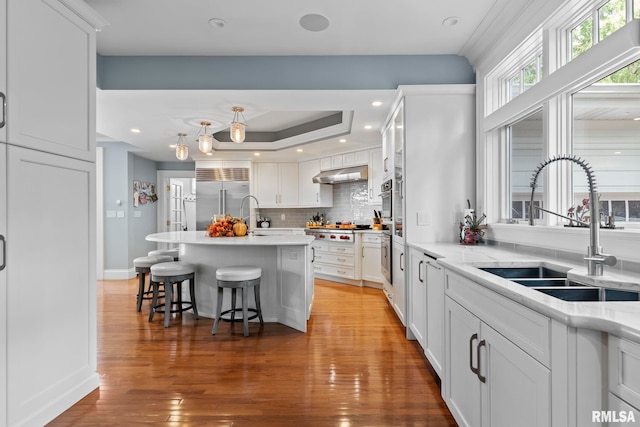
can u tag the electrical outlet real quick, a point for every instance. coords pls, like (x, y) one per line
(282, 217)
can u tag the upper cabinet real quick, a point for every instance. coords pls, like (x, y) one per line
(356, 158)
(311, 194)
(3, 72)
(276, 184)
(69, 81)
(375, 175)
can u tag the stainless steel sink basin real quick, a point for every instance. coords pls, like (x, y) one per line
(547, 282)
(589, 293)
(539, 272)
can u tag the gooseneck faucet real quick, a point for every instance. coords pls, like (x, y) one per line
(242, 205)
(595, 258)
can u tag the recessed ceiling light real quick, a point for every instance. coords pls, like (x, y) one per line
(376, 103)
(216, 22)
(209, 153)
(451, 21)
(256, 154)
(637, 119)
(368, 126)
(343, 140)
(299, 150)
(617, 152)
(134, 130)
(314, 22)
(172, 146)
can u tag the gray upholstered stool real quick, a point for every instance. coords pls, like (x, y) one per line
(143, 266)
(174, 253)
(168, 274)
(242, 277)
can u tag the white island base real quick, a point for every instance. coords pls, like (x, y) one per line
(286, 287)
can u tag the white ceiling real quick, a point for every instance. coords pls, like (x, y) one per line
(257, 27)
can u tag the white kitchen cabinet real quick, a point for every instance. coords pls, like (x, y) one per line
(47, 210)
(335, 259)
(497, 354)
(624, 375)
(397, 276)
(371, 258)
(277, 184)
(434, 340)
(51, 78)
(387, 151)
(490, 380)
(325, 163)
(375, 175)
(336, 161)
(417, 297)
(310, 193)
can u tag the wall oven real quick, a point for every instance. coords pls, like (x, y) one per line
(386, 196)
(385, 254)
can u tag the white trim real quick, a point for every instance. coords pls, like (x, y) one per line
(99, 213)
(119, 274)
(86, 13)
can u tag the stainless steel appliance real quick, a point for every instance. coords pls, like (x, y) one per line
(385, 254)
(386, 192)
(332, 234)
(219, 192)
(398, 200)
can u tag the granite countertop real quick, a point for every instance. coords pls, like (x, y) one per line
(200, 238)
(618, 318)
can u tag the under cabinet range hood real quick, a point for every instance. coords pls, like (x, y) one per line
(338, 176)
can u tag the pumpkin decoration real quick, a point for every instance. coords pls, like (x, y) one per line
(240, 229)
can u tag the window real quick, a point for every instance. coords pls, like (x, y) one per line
(608, 18)
(525, 77)
(581, 37)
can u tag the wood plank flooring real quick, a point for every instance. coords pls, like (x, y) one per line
(353, 368)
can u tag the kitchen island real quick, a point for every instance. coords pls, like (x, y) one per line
(286, 290)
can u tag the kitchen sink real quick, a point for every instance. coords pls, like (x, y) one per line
(539, 272)
(547, 282)
(589, 293)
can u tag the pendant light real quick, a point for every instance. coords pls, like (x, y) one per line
(237, 129)
(182, 149)
(205, 140)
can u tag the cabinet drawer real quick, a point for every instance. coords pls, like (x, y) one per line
(320, 247)
(370, 238)
(526, 328)
(327, 257)
(334, 270)
(342, 249)
(624, 369)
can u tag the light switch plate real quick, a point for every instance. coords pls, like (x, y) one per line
(120, 214)
(137, 214)
(424, 218)
(111, 214)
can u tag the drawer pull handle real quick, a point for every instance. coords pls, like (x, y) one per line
(482, 378)
(471, 340)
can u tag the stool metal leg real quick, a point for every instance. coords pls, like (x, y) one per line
(245, 312)
(192, 293)
(256, 294)
(140, 290)
(168, 301)
(218, 311)
(233, 304)
(154, 299)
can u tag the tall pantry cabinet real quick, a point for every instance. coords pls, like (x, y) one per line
(47, 209)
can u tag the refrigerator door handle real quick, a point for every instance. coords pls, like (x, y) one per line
(223, 198)
(220, 200)
(4, 252)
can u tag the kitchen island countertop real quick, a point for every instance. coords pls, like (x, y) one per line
(200, 238)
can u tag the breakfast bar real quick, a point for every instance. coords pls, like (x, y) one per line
(287, 273)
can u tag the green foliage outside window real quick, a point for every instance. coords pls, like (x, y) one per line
(611, 17)
(581, 39)
(628, 74)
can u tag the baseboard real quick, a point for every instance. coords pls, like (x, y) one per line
(119, 274)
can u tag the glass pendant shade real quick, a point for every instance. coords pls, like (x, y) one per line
(182, 149)
(237, 132)
(205, 143)
(237, 128)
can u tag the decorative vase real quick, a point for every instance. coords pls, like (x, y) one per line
(468, 236)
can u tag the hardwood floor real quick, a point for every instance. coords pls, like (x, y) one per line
(353, 368)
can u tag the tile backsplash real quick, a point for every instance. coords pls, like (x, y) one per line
(350, 203)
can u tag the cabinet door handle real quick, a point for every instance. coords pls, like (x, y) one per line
(420, 271)
(313, 254)
(480, 377)
(471, 340)
(4, 109)
(4, 252)
(401, 263)
(317, 197)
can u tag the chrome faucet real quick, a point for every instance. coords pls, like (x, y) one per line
(242, 205)
(595, 258)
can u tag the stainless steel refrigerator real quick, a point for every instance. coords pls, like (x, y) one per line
(220, 192)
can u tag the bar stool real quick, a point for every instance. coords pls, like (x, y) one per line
(168, 274)
(143, 266)
(234, 278)
(174, 253)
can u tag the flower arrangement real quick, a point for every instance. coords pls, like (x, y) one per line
(580, 212)
(472, 229)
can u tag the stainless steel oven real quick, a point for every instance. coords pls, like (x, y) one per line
(385, 254)
(387, 199)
